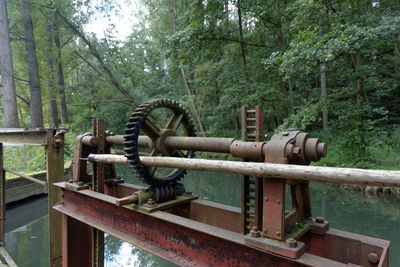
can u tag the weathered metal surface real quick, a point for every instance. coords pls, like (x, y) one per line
(277, 247)
(179, 240)
(282, 171)
(79, 173)
(209, 144)
(90, 140)
(247, 150)
(118, 140)
(77, 245)
(54, 173)
(187, 242)
(347, 247)
(98, 186)
(273, 209)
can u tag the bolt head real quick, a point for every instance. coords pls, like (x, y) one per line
(296, 150)
(278, 202)
(285, 133)
(373, 258)
(266, 199)
(319, 220)
(278, 233)
(150, 202)
(254, 232)
(70, 181)
(80, 183)
(290, 242)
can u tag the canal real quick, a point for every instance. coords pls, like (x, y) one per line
(27, 224)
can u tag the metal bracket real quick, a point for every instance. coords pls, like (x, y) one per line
(277, 247)
(182, 199)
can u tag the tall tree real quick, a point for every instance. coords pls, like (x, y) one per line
(323, 83)
(60, 74)
(184, 78)
(36, 107)
(51, 85)
(9, 96)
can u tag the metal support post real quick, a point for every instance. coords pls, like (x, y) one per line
(98, 186)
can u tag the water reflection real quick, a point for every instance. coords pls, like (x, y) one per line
(349, 211)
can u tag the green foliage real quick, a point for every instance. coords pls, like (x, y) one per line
(278, 69)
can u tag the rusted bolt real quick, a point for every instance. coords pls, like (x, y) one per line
(296, 150)
(319, 220)
(373, 258)
(285, 133)
(291, 243)
(278, 233)
(150, 202)
(254, 232)
(278, 202)
(80, 183)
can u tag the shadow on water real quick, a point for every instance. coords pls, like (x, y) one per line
(348, 211)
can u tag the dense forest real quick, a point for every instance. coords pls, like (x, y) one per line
(328, 67)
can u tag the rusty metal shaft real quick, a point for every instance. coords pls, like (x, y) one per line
(283, 171)
(240, 149)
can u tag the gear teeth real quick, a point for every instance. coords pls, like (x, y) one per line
(131, 140)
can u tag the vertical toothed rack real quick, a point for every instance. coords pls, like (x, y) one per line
(252, 130)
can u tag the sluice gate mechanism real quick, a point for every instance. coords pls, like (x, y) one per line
(166, 219)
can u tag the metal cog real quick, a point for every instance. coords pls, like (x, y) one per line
(141, 119)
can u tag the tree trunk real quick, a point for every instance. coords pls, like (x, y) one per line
(185, 81)
(279, 36)
(396, 52)
(34, 82)
(241, 40)
(51, 85)
(60, 75)
(290, 100)
(324, 97)
(323, 84)
(6, 71)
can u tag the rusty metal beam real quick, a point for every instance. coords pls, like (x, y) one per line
(193, 243)
(201, 233)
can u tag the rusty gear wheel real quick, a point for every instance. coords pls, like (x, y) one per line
(146, 119)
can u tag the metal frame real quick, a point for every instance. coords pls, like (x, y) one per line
(199, 233)
(53, 141)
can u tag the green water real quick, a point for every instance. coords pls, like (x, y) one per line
(345, 210)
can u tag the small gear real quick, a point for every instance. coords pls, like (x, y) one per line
(143, 119)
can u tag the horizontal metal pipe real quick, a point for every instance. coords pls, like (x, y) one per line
(283, 171)
(208, 144)
(43, 183)
(90, 140)
(118, 140)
